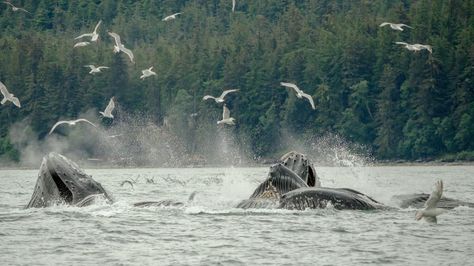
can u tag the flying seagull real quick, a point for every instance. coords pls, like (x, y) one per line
(147, 73)
(120, 47)
(108, 110)
(430, 211)
(424, 46)
(395, 26)
(170, 17)
(299, 93)
(233, 5)
(219, 99)
(416, 47)
(81, 44)
(14, 8)
(95, 69)
(226, 119)
(7, 96)
(71, 123)
(94, 35)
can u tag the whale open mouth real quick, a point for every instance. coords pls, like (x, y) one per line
(64, 191)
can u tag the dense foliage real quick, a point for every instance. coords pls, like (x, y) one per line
(366, 88)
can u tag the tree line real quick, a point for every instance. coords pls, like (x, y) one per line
(367, 89)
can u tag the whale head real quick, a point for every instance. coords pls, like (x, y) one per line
(61, 181)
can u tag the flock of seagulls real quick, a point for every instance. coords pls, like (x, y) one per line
(226, 119)
(410, 47)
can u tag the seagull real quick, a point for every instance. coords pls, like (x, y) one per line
(233, 5)
(94, 35)
(120, 47)
(219, 99)
(299, 93)
(424, 46)
(7, 96)
(81, 44)
(70, 122)
(395, 26)
(108, 110)
(95, 69)
(170, 17)
(226, 119)
(430, 211)
(147, 73)
(14, 8)
(416, 47)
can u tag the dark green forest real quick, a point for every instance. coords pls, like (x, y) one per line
(368, 90)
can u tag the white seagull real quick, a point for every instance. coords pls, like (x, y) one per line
(94, 35)
(416, 47)
(7, 96)
(430, 211)
(219, 99)
(147, 73)
(81, 44)
(226, 119)
(108, 110)
(71, 123)
(299, 93)
(170, 17)
(395, 26)
(233, 5)
(424, 46)
(95, 69)
(14, 8)
(120, 47)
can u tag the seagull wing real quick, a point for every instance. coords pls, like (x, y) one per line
(90, 66)
(175, 14)
(83, 35)
(110, 107)
(384, 24)
(435, 195)
(102, 67)
(310, 99)
(128, 52)
(8, 3)
(24, 10)
(207, 97)
(16, 102)
(84, 120)
(224, 93)
(116, 38)
(56, 125)
(3, 89)
(233, 5)
(97, 26)
(402, 43)
(290, 85)
(405, 25)
(225, 113)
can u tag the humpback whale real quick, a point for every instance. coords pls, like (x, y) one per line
(61, 181)
(294, 184)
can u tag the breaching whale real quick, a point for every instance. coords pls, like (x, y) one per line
(61, 181)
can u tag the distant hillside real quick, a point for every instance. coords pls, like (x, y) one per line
(367, 89)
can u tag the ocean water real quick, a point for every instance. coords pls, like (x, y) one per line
(210, 231)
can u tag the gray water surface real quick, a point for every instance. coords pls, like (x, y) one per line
(209, 231)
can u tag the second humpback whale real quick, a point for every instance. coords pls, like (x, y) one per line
(61, 181)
